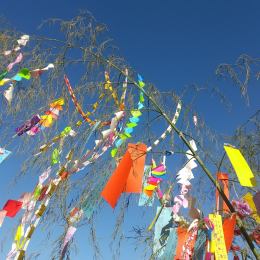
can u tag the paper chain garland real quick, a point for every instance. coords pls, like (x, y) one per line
(21, 42)
(169, 129)
(84, 116)
(133, 120)
(108, 85)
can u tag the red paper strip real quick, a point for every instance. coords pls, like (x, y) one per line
(135, 178)
(228, 229)
(116, 184)
(223, 181)
(43, 192)
(12, 207)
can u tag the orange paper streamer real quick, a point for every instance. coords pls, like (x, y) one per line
(182, 237)
(134, 181)
(116, 184)
(228, 229)
(223, 182)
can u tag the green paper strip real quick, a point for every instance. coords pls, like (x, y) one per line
(141, 84)
(4, 74)
(141, 98)
(66, 131)
(130, 125)
(24, 73)
(124, 136)
(113, 152)
(55, 157)
(136, 113)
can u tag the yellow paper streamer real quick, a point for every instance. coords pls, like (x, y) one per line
(220, 246)
(249, 199)
(244, 173)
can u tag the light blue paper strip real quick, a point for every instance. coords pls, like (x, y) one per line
(94, 197)
(17, 78)
(118, 142)
(134, 119)
(171, 246)
(129, 130)
(145, 200)
(89, 135)
(162, 230)
(140, 106)
(3, 155)
(199, 247)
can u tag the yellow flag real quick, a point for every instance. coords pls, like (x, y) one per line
(241, 167)
(220, 246)
(249, 199)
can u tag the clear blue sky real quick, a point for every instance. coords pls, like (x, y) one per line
(171, 43)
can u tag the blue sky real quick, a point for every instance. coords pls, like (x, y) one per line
(171, 43)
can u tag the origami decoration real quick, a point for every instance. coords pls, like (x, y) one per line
(122, 101)
(108, 85)
(242, 208)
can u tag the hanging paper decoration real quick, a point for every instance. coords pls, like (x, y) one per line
(27, 126)
(195, 120)
(108, 85)
(242, 208)
(94, 198)
(4, 74)
(21, 42)
(185, 175)
(228, 229)
(169, 129)
(143, 200)
(220, 247)
(182, 236)
(256, 200)
(126, 175)
(223, 182)
(188, 246)
(122, 101)
(85, 116)
(199, 247)
(3, 154)
(162, 231)
(2, 216)
(25, 198)
(38, 72)
(17, 60)
(244, 173)
(70, 232)
(55, 157)
(157, 174)
(249, 199)
(8, 94)
(45, 120)
(133, 120)
(171, 246)
(12, 207)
